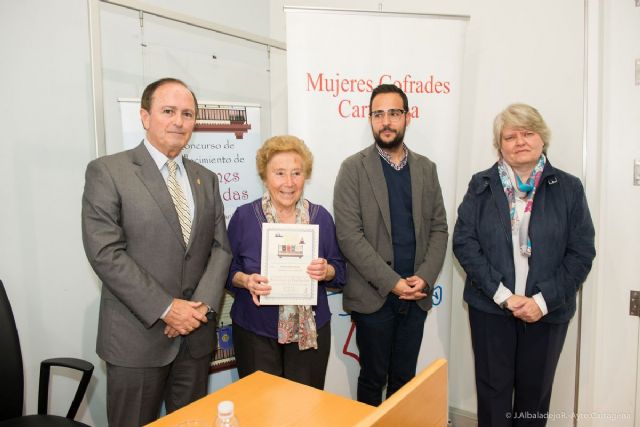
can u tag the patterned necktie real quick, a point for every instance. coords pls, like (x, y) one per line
(179, 200)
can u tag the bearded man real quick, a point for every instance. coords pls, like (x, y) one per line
(392, 229)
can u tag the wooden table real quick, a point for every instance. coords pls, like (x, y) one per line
(266, 400)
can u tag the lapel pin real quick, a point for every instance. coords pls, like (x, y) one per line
(198, 181)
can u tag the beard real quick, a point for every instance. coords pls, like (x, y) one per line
(394, 143)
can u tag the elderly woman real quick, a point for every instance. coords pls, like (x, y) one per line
(289, 341)
(524, 237)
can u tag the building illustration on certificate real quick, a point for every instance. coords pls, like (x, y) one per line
(288, 250)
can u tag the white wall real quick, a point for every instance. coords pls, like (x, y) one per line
(517, 51)
(609, 369)
(46, 116)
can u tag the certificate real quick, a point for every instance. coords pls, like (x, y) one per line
(287, 251)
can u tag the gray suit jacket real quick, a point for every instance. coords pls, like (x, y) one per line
(133, 241)
(363, 227)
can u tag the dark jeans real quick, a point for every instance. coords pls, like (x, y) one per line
(389, 342)
(515, 365)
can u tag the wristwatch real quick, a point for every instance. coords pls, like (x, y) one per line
(504, 305)
(211, 315)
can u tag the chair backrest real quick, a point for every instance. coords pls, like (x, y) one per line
(420, 402)
(11, 375)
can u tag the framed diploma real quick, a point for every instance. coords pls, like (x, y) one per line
(287, 250)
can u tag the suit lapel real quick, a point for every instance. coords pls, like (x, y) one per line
(373, 168)
(417, 185)
(152, 179)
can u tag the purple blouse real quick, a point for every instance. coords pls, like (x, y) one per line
(245, 236)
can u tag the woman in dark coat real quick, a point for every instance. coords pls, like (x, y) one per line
(525, 238)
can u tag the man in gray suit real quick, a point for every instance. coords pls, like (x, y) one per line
(392, 229)
(154, 232)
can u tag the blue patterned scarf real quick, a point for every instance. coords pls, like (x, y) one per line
(528, 189)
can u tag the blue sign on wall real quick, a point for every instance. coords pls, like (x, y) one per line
(436, 298)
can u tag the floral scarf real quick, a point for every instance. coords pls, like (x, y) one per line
(296, 323)
(528, 189)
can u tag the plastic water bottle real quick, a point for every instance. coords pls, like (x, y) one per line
(226, 417)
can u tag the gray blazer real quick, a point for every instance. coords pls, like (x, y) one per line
(363, 227)
(133, 241)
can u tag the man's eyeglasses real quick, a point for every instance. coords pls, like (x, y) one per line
(394, 114)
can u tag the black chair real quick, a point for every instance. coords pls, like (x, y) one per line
(12, 379)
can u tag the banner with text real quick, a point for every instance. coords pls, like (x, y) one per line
(334, 60)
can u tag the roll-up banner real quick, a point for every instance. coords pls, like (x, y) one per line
(334, 60)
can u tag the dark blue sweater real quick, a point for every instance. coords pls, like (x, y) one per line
(402, 229)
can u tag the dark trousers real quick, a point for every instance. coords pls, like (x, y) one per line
(388, 342)
(258, 353)
(135, 395)
(515, 364)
